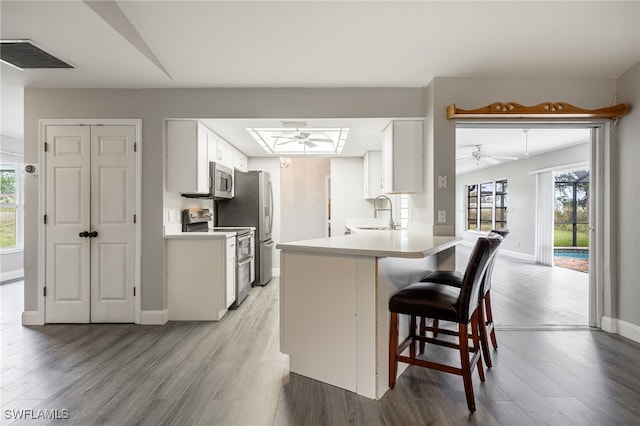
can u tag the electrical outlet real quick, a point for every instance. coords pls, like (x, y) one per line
(172, 215)
(442, 182)
(442, 216)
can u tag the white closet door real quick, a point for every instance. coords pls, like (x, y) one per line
(68, 214)
(91, 178)
(113, 181)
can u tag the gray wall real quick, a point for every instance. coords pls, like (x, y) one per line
(154, 105)
(627, 174)
(521, 198)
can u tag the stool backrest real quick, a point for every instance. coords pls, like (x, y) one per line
(482, 253)
(486, 279)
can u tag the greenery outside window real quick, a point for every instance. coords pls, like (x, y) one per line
(10, 207)
(571, 213)
(487, 206)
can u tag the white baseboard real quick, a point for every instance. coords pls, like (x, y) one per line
(154, 317)
(11, 275)
(510, 253)
(518, 255)
(31, 318)
(623, 328)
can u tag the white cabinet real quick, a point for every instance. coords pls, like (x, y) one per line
(372, 178)
(239, 160)
(200, 278)
(187, 156)
(402, 157)
(230, 271)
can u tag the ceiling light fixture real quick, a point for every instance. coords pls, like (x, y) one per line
(297, 139)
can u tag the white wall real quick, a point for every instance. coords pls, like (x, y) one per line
(347, 192)
(11, 262)
(303, 199)
(521, 194)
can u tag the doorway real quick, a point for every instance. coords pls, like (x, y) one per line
(513, 155)
(91, 189)
(304, 203)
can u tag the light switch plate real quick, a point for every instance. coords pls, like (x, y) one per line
(442, 216)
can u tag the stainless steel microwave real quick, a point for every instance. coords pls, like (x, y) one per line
(221, 184)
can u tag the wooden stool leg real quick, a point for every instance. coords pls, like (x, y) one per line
(475, 336)
(423, 333)
(393, 348)
(466, 366)
(489, 319)
(412, 334)
(484, 339)
(436, 324)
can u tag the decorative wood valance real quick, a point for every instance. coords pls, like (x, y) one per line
(549, 110)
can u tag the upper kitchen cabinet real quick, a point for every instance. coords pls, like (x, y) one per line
(402, 157)
(372, 178)
(220, 151)
(187, 156)
(239, 160)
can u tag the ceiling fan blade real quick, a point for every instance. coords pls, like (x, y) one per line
(491, 160)
(464, 158)
(310, 144)
(504, 158)
(320, 140)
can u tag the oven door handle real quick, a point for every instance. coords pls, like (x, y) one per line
(244, 262)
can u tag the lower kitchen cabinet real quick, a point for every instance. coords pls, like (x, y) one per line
(200, 278)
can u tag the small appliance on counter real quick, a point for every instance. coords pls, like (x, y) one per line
(197, 220)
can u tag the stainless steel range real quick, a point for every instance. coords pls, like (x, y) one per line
(197, 220)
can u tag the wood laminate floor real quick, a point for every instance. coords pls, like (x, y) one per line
(232, 373)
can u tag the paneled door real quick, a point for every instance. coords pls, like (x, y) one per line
(90, 229)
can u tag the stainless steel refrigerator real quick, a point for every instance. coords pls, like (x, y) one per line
(252, 205)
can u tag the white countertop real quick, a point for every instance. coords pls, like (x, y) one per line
(375, 244)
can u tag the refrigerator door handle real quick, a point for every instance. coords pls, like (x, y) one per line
(271, 210)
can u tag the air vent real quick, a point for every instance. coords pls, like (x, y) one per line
(24, 54)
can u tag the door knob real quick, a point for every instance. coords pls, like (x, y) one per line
(93, 234)
(84, 234)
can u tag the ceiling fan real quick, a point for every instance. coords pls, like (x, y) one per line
(305, 138)
(480, 154)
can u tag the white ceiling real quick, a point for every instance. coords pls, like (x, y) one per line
(319, 44)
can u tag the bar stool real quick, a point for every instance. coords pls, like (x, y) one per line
(454, 278)
(444, 302)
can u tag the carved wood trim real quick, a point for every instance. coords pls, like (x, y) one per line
(553, 110)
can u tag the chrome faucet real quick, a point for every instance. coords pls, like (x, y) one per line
(389, 209)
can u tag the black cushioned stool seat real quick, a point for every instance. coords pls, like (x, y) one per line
(439, 301)
(454, 278)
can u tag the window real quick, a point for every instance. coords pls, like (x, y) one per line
(10, 207)
(487, 206)
(571, 212)
(404, 211)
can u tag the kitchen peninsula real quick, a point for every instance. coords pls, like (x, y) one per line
(334, 317)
